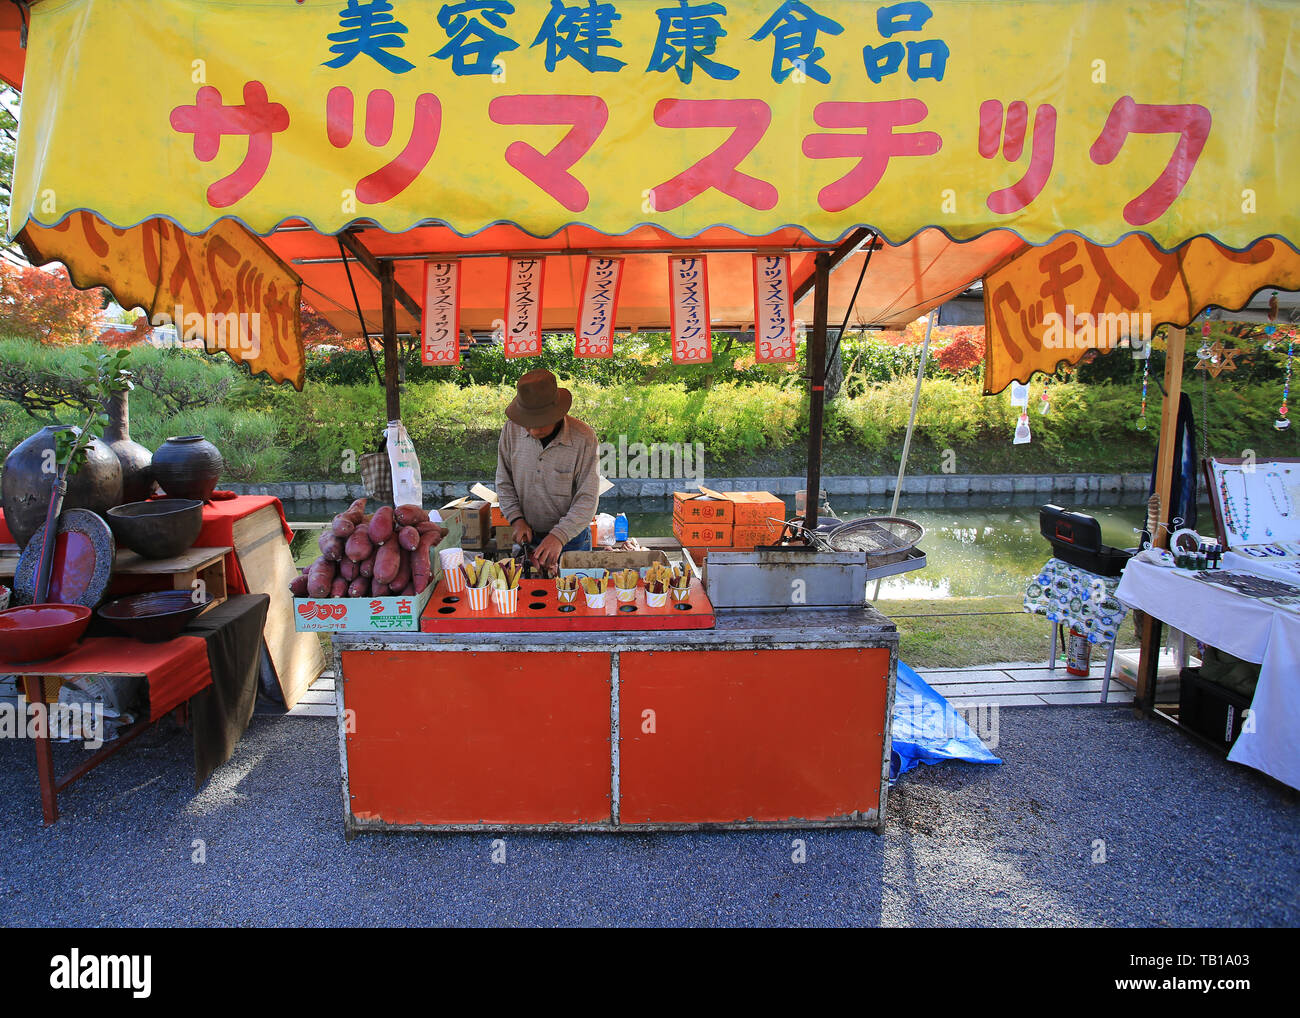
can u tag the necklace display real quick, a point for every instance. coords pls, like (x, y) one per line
(1286, 497)
(1231, 519)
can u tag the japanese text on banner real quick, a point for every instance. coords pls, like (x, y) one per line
(594, 333)
(440, 340)
(689, 287)
(773, 312)
(523, 335)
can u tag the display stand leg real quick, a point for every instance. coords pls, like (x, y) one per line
(1110, 663)
(44, 753)
(1051, 657)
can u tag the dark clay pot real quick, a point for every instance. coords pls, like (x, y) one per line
(187, 467)
(26, 485)
(136, 460)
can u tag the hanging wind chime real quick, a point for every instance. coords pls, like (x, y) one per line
(1283, 421)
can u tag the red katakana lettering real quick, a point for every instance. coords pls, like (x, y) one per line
(1029, 318)
(209, 120)
(1051, 265)
(1109, 283)
(1191, 122)
(873, 148)
(587, 113)
(750, 118)
(399, 173)
(1014, 198)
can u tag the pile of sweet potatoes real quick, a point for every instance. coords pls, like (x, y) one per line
(381, 555)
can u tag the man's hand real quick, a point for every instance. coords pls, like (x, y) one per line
(548, 552)
(521, 531)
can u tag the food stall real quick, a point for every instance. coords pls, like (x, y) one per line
(763, 157)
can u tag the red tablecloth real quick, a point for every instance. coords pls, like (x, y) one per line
(219, 518)
(175, 670)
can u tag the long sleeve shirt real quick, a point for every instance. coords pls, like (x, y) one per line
(555, 487)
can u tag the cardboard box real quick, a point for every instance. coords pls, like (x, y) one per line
(396, 614)
(504, 537)
(499, 518)
(756, 509)
(697, 507)
(752, 537)
(589, 563)
(474, 516)
(703, 535)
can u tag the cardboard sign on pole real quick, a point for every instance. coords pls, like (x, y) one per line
(594, 332)
(440, 332)
(688, 288)
(523, 335)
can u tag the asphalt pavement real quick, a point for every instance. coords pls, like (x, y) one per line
(1094, 819)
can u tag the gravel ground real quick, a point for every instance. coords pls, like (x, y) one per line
(1189, 840)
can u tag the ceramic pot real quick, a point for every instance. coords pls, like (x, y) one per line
(187, 467)
(27, 482)
(136, 460)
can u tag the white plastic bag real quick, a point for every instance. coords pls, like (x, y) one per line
(408, 488)
(605, 530)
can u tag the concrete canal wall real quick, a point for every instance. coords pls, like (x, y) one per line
(1063, 485)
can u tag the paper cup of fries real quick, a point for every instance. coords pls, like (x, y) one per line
(625, 581)
(478, 598)
(680, 594)
(507, 601)
(566, 589)
(654, 600)
(451, 559)
(595, 600)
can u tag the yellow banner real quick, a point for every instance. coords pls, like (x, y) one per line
(1171, 117)
(1051, 305)
(224, 287)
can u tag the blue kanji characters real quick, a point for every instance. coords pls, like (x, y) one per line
(473, 47)
(794, 27)
(688, 36)
(368, 27)
(579, 33)
(926, 58)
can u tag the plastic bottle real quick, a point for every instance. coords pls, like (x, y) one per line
(620, 527)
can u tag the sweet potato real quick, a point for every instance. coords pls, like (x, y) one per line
(339, 588)
(381, 525)
(349, 570)
(429, 527)
(320, 577)
(359, 546)
(330, 546)
(378, 589)
(408, 538)
(387, 561)
(356, 511)
(403, 576)
(420, 583)
(342, 527)
(360, 587)
(409, 515)
(367, 566)
(298, 585)
(420, 562)
(409, 589)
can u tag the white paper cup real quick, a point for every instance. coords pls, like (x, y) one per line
(656, 600)
(478, 598)
(625, 593)
(451, 559)
(507, 601)
(595, 600)
(455, 580)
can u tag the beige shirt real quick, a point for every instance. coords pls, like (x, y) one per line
(555, 489)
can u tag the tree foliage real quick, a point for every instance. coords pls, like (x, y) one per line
(42, 304)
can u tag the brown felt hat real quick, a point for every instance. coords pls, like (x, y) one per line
(540, 403)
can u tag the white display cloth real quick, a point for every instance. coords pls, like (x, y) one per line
(1243, 627)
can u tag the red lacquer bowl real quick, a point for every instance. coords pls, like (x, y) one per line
(35, 632)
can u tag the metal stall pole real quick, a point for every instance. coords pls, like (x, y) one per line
(911, 424)
(816, 352)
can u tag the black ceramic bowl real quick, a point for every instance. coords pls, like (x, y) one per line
(155, 616)
(162, 528)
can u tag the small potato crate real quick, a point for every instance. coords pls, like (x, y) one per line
(396, 614)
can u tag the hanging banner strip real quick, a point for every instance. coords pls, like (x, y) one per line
(773, 311)
(523, 335)
(689, 292)
(594, 332)
(440, 332)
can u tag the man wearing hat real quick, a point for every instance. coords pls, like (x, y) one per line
(547, 480)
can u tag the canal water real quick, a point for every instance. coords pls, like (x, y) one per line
(975, 545)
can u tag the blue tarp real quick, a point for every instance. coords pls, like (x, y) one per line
(928, 730)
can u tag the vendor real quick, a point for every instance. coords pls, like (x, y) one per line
(547, 481)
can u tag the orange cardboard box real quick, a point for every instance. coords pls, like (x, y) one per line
(499, 518)
(752, 537)
(696, 507)
(756, 508)
(702, 535)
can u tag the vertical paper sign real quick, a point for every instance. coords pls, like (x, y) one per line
(440, 331)
(594, 333)
(523, 336)
(773, 313)
(688, 287)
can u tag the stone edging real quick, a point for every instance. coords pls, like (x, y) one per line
(931, 484)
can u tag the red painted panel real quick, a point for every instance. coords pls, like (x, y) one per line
(751, 735)
(446, 737)
(540, 611)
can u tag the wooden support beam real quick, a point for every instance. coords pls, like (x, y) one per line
(371, 264)
(1149, 655)
(387, 286)
(841, 251)
(816, 353)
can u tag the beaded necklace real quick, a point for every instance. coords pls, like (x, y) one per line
(1230, 517)
(1268, 483)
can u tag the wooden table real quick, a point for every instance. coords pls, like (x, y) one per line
(197, 565)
